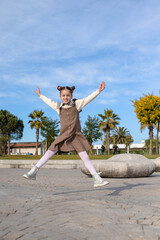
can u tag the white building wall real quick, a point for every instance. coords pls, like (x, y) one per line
(24, 151)
(122, 146)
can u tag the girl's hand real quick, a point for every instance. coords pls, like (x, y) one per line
(38, 91)
(101, 86)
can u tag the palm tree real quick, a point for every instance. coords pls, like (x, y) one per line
(37, 122)
(122, 136)
(108, 122)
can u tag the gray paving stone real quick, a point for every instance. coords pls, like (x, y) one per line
(62, 204)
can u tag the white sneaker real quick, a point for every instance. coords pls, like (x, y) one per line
(98, 181)
(32, 173)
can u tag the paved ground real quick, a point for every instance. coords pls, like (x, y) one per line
(63, 205)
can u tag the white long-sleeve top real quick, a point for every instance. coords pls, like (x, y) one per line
(80, 103)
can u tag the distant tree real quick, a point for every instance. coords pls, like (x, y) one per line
(147, 143)
(147, 112)
(121, 136)
(10, 128)
(50, 131)
(154, 143)
(37, 122)
(108, 122)
(91, 129)
(129, 140)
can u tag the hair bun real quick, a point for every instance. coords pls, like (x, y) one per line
(59, 88)
(72, 88)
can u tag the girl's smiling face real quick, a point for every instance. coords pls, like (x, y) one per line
(65, 96)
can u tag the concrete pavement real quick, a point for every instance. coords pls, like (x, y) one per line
(63, 205)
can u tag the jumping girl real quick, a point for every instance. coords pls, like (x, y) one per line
(70, 137)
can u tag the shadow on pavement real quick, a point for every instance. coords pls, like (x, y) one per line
(116, 190)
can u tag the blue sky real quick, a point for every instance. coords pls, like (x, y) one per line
(68, 42)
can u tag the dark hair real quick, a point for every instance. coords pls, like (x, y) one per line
(71, 89)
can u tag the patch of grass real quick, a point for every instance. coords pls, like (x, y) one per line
(59, 157)
(153, 156)
(65, 157)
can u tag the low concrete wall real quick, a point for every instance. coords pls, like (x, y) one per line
(64, 164)
(57, 164)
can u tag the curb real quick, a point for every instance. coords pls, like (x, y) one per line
(57, 164)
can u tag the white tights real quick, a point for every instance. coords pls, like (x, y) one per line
(45, 158)
(83, 155)
(87, 162)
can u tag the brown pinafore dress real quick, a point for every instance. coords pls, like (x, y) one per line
(70, 137)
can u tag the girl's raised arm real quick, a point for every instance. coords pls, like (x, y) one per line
(83, 102)
(48, 101)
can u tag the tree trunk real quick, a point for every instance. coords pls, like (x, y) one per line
(108, 140)
(90, 150)
(4, 146)
(37, 139)
(151, 138)
(3, 143)
(46, 144)
(8, 145)
(157, 150)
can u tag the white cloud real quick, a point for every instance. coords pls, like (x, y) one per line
(52, 30)
(7, 95)
(108, 102)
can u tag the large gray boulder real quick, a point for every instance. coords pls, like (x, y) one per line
(157, 162)
(124, 166)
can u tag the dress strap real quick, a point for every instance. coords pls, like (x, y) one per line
(74, 99)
